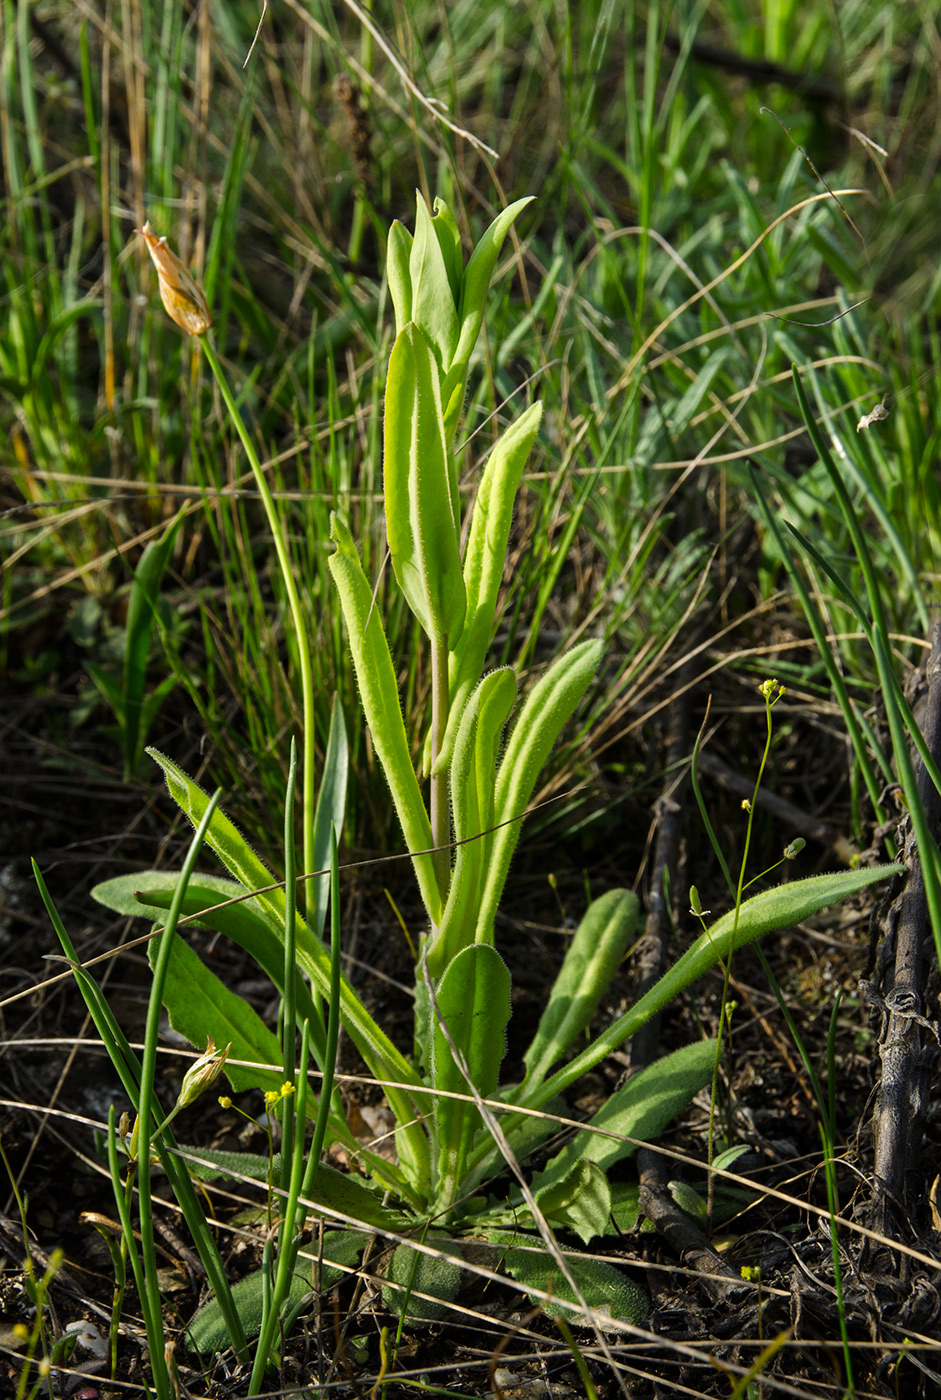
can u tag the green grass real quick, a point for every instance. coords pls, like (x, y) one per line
(681, 257)
(654, 175)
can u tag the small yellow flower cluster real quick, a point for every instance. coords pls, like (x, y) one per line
(772, 690)
(274, 1096)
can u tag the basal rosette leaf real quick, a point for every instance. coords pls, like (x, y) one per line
(379, 694)
(599, 944)
(471, 1013)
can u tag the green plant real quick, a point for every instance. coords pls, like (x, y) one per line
(458, 1127)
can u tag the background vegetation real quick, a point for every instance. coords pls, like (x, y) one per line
(717, 185)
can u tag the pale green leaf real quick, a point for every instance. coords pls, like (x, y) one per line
(640, 1109)
(599, 944)
(579, 1201)
(433, 305)
(201, 1006)
(473, 1002)
(546, 710)
(422, 503)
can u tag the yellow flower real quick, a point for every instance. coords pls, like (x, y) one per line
(180, 293)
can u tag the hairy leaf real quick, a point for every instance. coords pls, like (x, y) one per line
(546, 710)
(600, 943)
(421, 495)
(201, 1006)
(473, 1003)
(411, 1273)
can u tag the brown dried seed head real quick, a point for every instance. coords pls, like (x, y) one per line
(181, 294)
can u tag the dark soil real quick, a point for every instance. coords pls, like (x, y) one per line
(66, 806)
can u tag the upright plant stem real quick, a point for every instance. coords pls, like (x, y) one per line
(289, 1032)
(440, 810)
(297, 617)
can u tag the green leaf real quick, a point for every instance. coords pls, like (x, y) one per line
(530, 1132)
(727, 1200)
(689, 1200)
(379, 694)
(352, 1196)
(208, 1331)
(349, 1196)
(548, 707)
(473, 298)
(579, 1201)
(485, 560)
(473, 1002)
(330, 810)
(421, 495)
(152, 702)
(415, 1272)
(109, 688)
(341, 1252)
(625, 1206)
(605, 1289)
(640, 1109)
(340, 1248)
(481, 264)
(398, 252)
(600, 942)
(449, 237)
(149, 893)
(433, 303)
(200, 1005)
(228, 1165)
(473, 771)
(778, 908)
(56, 329)
(384, 1061)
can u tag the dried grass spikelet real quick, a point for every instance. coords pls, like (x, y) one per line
(181, 294)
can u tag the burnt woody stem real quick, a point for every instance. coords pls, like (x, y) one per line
(905, 1032)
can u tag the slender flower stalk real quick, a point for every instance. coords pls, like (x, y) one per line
(186, 305)
(297, 616)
